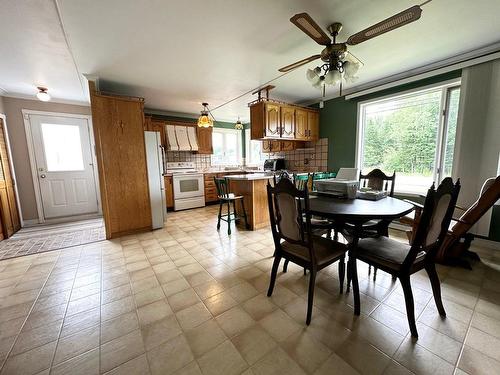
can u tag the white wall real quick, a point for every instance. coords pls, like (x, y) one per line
(478, 136)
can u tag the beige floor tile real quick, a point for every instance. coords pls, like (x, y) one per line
(224, 359)
(148, 296)
(335, 365)
(419, 360)
(308, 352)
(439, 344)
(117, 293)
(279, 325)
(395, 368)
(198, 278)
(175, 286)
(191, 368)
(486, 324)
(74, 345)
(153, 312)
(121, 350)
(483, 342)
(474, 362)
(379, 335)
(234, 321)
(30, 362)
(259, 306)
(170, 356)
(361, 355)
(83, 320)
(85, 364)
(220, 303)
(113, 309)
(160, 331)
(119, 326)
(30, 339)
(392, 318)
(183, 299)
(277, 362)
(40, 318)
(138, 365)
(144, 284)
(204, 337)
(254, 343)
(242, 292)
(83, 304)
(446, 325)
(193, 316)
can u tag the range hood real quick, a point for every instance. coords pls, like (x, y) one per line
(181, 138)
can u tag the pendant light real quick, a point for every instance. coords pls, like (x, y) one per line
(204, 121)
(238, 125)
(42, 94)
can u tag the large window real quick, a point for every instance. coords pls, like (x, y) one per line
(227, 147)
(253, 153)
(412, 134)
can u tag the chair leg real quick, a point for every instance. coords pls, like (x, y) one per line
(305, 271)
(410, 306)
(274, 271)
(436, 287)
(329, 234)
(236, 218)
(341, 273)
(220, 215)
(285, 266)
(229, 218)
(310, 296)
(244, 213)
(374, 273)
(335, 235)
(355, 286)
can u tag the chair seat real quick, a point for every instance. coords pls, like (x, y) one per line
(326, 251)
(230, 197)
(385, 252)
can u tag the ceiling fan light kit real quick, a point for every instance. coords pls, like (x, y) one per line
(339, 64)
(42, 94)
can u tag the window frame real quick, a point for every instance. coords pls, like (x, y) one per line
(248, 149)
(239, 145)
(446, 88)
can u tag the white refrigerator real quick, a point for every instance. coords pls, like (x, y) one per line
(156, 162)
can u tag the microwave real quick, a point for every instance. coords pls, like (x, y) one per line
(274, 165)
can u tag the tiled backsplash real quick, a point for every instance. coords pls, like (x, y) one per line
(202, 161)
(313, 158)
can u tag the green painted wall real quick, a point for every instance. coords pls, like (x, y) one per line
(338, 121)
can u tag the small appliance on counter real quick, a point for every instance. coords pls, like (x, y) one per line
(273, 165)
(337, 187)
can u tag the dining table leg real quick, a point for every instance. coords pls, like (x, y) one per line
(352, 271)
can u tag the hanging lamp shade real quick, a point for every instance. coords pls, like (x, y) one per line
(238, 125)
(204, 121)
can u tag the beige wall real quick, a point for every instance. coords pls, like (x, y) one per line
(12, 107)
(1, 105)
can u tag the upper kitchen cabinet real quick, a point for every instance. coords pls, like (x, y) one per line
(272, 120)
(118, 124)
(205, 140)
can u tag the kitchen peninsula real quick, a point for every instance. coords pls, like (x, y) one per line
(253, 189)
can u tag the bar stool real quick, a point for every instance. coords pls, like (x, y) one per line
(225, 196)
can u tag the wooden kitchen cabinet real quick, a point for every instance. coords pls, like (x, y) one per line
(301, 128)
(204, 140)
(313, 125)
(287, 122)
(272, 120)
(118, 124)
(210, 188)
(277, 146)
(169, 191)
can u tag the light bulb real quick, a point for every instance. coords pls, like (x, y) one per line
(351, 68)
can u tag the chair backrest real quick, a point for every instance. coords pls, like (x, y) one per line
(434, 221)
(378, 180)
(302, 181)
(490, 193)
(288, 206)
(348, 174)
(222, 185)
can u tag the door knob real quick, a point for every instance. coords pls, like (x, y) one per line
(42, 176)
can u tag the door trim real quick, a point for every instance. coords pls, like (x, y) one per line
(34, 171)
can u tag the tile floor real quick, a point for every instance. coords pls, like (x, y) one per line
(189, 300)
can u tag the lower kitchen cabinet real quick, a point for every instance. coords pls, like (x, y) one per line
(169, 191)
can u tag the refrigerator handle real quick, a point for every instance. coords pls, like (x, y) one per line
(163, 160)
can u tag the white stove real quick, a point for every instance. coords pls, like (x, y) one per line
(189, 186)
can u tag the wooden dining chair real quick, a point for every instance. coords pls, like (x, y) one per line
(294, 240)
(402, 260)
(226, 197)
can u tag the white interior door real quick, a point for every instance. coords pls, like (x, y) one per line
(64, 164)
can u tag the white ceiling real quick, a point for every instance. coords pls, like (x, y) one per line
(179, 54)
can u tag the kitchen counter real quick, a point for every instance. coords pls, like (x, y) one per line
(249, 177)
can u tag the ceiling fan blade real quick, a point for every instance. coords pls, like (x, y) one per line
(304, 22)
(299, 63)
(403, 18)
(350, 57)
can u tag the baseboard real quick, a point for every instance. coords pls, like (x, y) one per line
(494, 245)
(30, 222)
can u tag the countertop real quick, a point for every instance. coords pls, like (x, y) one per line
(249, 177)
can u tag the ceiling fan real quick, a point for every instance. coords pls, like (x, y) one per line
(338, 62)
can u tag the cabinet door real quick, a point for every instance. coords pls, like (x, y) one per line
(275, 146)
(287, 145)
(272, 120)
(313, 125)
(169, 191)
(159, 126)
(266, 146)
(301, 129)
(287, 122)
(204, 140)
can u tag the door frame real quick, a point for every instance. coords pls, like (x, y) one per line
(34, 169)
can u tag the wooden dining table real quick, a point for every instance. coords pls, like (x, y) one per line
(356, 212)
